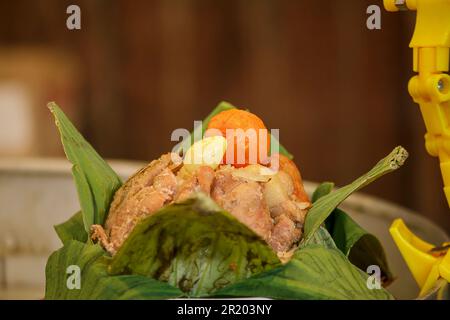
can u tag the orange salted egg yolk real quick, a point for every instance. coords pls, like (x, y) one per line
(244, 149)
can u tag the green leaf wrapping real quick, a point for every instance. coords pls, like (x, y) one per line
(72, 229)
(96, 182)
(321, 237)
(95, 282)
(325, 205)
(322, 190)
(194, 245)
(362, 248)
(317, 271)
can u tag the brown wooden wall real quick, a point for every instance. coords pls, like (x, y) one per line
(336, 90)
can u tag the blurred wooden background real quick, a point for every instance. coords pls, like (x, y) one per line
(336, 90)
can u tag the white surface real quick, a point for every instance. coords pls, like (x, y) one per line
(15, 118)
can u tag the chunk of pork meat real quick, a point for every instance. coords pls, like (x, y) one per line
(201, 181)
(244, 200)
(273, 206)
(284, 234)
(143, 194)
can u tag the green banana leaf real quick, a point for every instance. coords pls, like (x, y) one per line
(96, 182)
(361, 247)
(199, 131)
(194, 245)
(322, 190)
(318, 270)
(321, 237)
(94, 280)
(325, 205)
(72, 229)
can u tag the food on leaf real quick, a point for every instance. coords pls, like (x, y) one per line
(194, 245)
(271, 203)
(182, 228)
(263, 200)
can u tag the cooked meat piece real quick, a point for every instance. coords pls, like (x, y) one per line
(277, 191)
(244, 200)
(165, 183)
(98, 234)
(134, 184)
(286, 165)
(284, 234)
(205, 176)
(144, 193)
(272, 205)
(201, 180)
(288, 204)
(187, 187)
(293, 209)
(279, 194)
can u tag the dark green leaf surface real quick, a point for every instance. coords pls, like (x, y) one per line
(324, 206)
(95, 181)
(72, 229)
(362, 248)
(321, 237)
(96, 283)
(195, 246)
(317, 271)
(322, 190)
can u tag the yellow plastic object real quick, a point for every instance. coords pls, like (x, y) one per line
(425, 267)
(431, 87)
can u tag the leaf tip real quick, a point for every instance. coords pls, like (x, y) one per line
(52, 106)
(398, 157)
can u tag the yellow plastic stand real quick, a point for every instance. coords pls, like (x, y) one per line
(426, 267)
(431, 87)
(431, 90)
